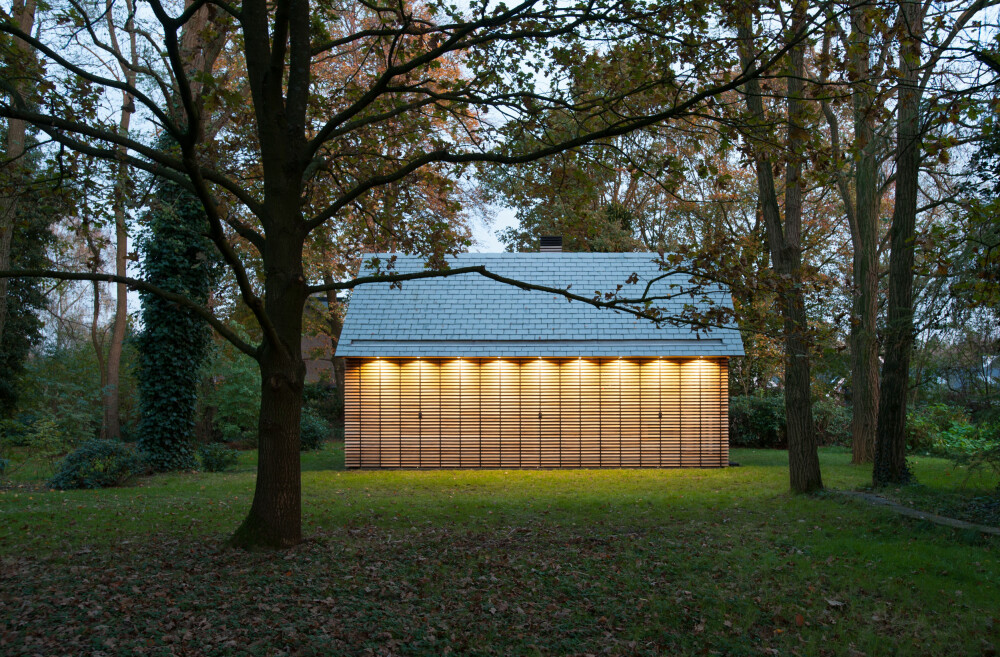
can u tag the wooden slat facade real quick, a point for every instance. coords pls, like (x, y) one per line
(536, 413)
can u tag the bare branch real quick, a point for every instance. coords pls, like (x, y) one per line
(136, 284)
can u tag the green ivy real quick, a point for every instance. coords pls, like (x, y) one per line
(26, 300)
(176, 256)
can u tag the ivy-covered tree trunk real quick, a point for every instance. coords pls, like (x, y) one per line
(174, 341)
(12, 173)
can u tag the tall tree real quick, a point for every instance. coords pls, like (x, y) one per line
(300, 138)
(26, 301)
(863, 149)
(127, 60)
(12, 173)
(912, 120)
(784, 235)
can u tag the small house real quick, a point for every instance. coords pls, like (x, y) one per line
(466, 372)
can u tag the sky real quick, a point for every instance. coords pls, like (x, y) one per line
(485, 235)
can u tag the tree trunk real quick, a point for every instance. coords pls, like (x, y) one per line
(890, 446)
(23, 12)
(784, 245)
(111, 426)
(275, 517)
(96, 339)
(865, 237)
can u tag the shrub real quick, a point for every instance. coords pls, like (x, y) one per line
(313, 430)
(757, 421)
(981, 450)
(833, 422)
(39, 441)
(234, 393)
(323, 399)
(216, 457)
(925, 424)
(98, 464)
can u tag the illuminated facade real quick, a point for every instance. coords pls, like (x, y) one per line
(496, 389)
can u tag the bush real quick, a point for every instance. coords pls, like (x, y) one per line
(234, 393)
(833, 422)
(38, 441)
(925, 424)
(313, 430)
(322, 399)
(757, 421)
(981, 450)
(98, 464)
(216, 457)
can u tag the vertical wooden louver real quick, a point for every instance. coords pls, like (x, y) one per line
(536, 413)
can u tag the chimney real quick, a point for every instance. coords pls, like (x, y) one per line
(550, 244)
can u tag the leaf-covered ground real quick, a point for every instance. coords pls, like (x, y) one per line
(495, 563)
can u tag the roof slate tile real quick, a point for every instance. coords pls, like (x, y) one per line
(461, 315)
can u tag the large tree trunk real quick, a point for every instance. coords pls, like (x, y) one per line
(890, 446)
(785, 247)
(275, 519)
(111, 426)
(23, 12)
(864, 235)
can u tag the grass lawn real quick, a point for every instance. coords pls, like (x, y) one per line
(621, 562)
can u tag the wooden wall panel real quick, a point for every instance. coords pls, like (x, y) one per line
(631, 400)
(370, 416)
(489, 381)
(723, 429)
(690, 414)
(451, 430)
(470, 427)
(390, 417)
(531, 387)
(569, 412)
(352, 413)
(670, 405)
(550, 416)
(649, 413)
(409, 411)
(430, 413)
(536, 413)
(590, 413)
(611, 416)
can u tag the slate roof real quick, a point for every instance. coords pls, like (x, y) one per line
(468, 315)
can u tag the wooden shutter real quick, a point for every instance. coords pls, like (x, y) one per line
(489, 400)
(531, 413)
(569, 409)
(409, 413)
(352, 413)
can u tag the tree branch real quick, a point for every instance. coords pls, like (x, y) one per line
(137, 284)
